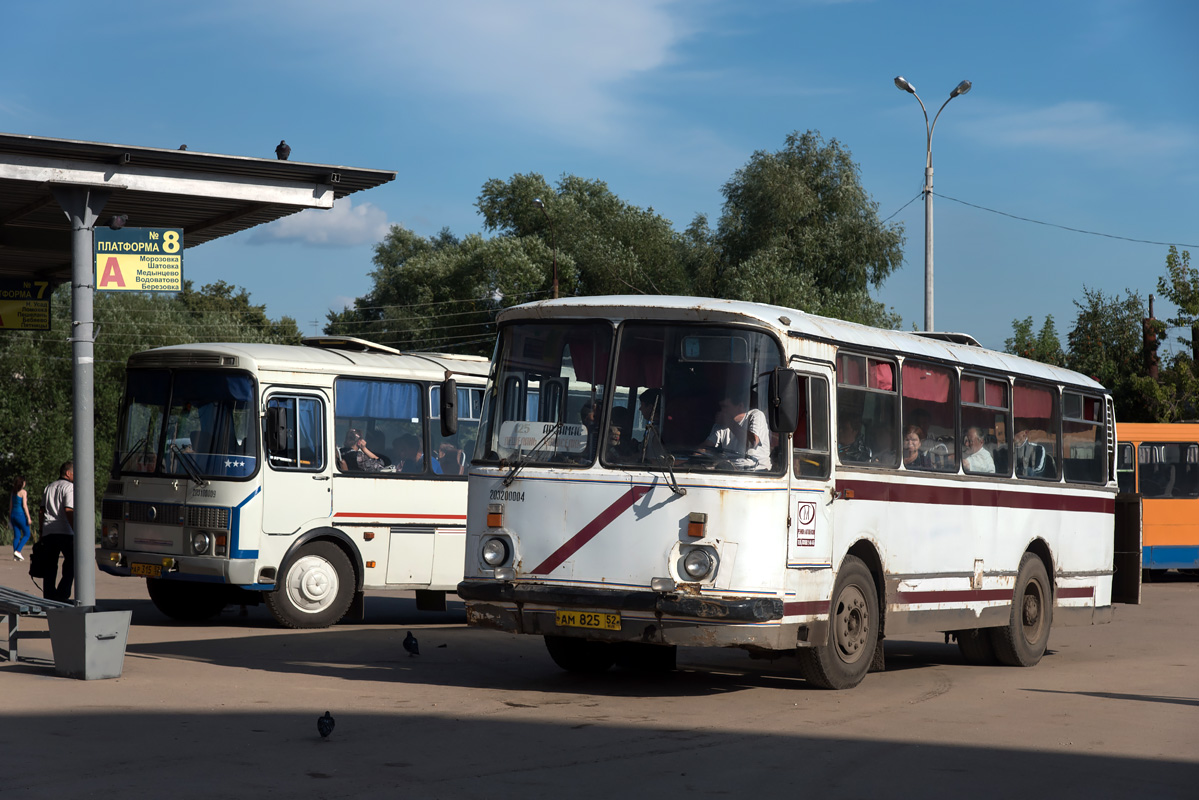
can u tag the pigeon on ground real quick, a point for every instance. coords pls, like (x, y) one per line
(324, 725)
(411, 645)
(282, 150)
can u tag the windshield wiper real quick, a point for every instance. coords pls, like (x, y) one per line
(132, 452)
(526, 457)
(189, 465)
(666, 459)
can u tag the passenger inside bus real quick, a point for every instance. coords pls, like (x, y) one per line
(977, 458)
(356, 456)
(851, 446)
(1031, 458)
(740, 435)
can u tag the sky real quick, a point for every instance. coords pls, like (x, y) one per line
(1072, 163)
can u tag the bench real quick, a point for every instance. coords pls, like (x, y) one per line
(16, 604)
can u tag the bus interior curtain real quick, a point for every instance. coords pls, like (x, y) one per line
(378, 399)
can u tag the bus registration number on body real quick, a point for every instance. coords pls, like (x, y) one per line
(146, 570)
(587, 619)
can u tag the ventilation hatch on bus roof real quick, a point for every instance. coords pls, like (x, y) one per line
(946, 336)
(349, 343)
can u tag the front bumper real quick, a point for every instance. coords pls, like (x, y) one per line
(209, 569)
(646, 616)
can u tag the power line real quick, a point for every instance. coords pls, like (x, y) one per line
(1055, 225)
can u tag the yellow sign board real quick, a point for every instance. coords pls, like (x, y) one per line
(139, 260)
(24, 305)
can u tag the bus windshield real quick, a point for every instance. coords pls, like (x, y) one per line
(548, 386)
(188, 423)
(687, 396)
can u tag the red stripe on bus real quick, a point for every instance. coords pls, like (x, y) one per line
(355, 515)
(954, 596)
(970, 496)
(589, 531)
(1075, 591)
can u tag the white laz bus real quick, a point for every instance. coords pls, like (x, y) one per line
(298, 476)
(653, 472)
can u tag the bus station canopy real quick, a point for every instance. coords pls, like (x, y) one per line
(205, 194)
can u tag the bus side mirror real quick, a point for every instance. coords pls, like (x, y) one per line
(449, 407)
(784, 400)
(276, 429)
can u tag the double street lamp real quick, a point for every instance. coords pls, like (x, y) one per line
(963, 87)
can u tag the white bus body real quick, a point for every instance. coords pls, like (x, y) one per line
(618, 546)
(231, 483)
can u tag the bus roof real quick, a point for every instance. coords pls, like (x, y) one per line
(792, 322)
(429, 366)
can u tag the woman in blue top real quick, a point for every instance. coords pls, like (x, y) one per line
(18, 512)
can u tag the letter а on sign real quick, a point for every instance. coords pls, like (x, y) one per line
(112, 273)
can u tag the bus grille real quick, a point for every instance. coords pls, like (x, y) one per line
(112, 509)
(156, 513)
(207, 517)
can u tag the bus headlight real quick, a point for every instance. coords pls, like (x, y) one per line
(201, 541)
(495, 552)
(698, 563)
(111, 535)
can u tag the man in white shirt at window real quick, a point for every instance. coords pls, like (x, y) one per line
(740, 435)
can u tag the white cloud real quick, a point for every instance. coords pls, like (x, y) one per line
(556, 65)
(344, 225)
(1082, 127)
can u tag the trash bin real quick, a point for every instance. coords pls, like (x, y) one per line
(88, 645)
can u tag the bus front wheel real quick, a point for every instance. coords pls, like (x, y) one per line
(580, 655)
(316, 587)
(843, 661)
(186, 601)
(1022, 642)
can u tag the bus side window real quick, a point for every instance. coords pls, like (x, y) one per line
(303, 421)
(811, 441)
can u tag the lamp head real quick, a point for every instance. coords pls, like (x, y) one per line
(902, 83)
(961, 88)
(537, 202)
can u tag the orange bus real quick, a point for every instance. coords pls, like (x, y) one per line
(1161, 462)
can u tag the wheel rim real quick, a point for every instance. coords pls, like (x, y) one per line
(852, 627)
(1032, 612)
(312, 584)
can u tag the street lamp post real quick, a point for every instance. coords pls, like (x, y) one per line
(553, 242)
(963, 87)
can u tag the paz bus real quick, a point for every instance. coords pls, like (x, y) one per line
(765, 479)
(298, 476)
(1160, 461)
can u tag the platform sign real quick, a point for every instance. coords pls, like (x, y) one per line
(139, 260)
(24, 304)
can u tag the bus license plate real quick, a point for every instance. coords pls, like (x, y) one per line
(587, 619)
(147, 570)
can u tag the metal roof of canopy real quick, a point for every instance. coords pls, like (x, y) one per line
(206, 194)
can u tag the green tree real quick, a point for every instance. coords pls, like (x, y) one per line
(1106, 344)
(1044, 346)
(799, 230)
(1180, 285)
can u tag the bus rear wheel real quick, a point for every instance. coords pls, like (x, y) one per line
(580, 655)
(975, 646)
(1023, 641)
(186, 601)
(316, 587)
(843, 661)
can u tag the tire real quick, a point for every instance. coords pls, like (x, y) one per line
(580, 655)
(1022, 642)
(315, 588)
(186, 601)
(975, 646)
(843, 661)
(646, 658)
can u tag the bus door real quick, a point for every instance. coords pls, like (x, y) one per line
(810, 534)
(295, 482)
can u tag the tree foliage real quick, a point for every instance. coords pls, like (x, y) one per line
(36, 406)
(1044, 346)
(799, 230)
